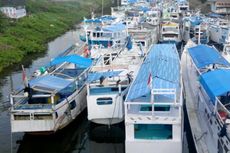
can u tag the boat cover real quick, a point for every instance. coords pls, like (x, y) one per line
(204, 55)
(115, 27)
(216, 83)
(49, 83)
(97, 75)
(100, 19)
(75, 59)
(163, 64)
(132, 1)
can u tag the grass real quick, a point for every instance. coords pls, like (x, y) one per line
(45, 21)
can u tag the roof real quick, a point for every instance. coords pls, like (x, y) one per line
(163, 64)
(204, 55)
(49, 83)
(12, 2)
(115, 27)
(216, 83)
(76, 59)
(97, 75)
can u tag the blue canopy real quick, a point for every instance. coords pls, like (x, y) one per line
(195, 20)
(49, 83)
(97, 75)
(216, 83)
(76, 59)
(204, 55)
(115, 27)
(143, 8)
(132, 1)
(163, 64)
(100, 19)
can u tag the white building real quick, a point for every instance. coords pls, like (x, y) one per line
(13, 12)
(13, 8)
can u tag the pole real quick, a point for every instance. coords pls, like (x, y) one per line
(102, 10)
(199, 36)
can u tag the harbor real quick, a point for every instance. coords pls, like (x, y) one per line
(145, 74)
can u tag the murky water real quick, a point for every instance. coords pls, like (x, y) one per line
(78, 137)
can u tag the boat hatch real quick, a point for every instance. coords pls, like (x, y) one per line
(153, 131)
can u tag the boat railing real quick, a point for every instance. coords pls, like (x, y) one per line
(20, 102)
(221, 110)
(168, 107)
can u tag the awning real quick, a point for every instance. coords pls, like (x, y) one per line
(97, 75)
(163, 64)
(75, 59)
(115, 27)
(49, 83)
(216, 83)
(204, 55)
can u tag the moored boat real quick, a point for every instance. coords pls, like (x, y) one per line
(153, 107)
(206, 81)
(53, 99)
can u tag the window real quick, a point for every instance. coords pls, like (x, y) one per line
(153, 131)
(104, 101)
(72, 104)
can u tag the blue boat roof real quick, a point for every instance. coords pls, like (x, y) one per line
(132, 1)
(49, 83)
(163, 64)
(97, 75)
(204, 55)
(100, 19)
(216, 83)
(115, 27)
(75, 59)
(195, 20)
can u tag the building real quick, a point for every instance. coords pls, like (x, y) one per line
(13, 8)
(220, 6)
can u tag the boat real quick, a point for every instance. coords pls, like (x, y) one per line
(196, 29)
(183, 6)
(153, 107)
(103, 37)
(206, 81)
(51, 100)
(170, 32)
(219, 31)
(108, 84)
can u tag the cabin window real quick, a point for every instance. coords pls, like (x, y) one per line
(72, 104)
(156, 108)
(104, 101)
(153, 131)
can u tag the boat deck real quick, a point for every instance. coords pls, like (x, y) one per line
(198, 132)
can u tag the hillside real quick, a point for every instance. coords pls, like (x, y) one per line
(45, 21)
(200, 4)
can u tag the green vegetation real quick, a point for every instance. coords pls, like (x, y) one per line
(45, 20)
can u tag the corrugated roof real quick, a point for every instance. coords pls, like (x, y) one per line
(164, 66)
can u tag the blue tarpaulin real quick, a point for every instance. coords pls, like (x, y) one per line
(100, 19)
(132, 1)
(76, 59)
(216, 83)
(50, 82)
(163, 64)
(204, 55)
(97, 75)
(115, 27)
